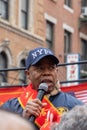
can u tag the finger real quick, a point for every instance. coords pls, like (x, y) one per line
(33, 106)
(31, 111)
(38, 102)
(35, 113)
(44, 104)
(35, 103)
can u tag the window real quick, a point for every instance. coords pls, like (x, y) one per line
(4, 9)
(67, 43)
(68, 3)
(49, 34)
(84, 54)
(84, 3)
(22, 76)
(3, 64)
(24, 14)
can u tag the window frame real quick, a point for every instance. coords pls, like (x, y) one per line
(24, 13)
(84, 53)
(68, 3)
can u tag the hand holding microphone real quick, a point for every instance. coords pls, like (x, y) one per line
(34, 107)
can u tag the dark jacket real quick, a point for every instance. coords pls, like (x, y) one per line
(62, 101)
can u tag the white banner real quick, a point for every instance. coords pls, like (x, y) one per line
(72, 70)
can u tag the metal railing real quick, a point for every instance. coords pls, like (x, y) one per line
(74, 63)
(59, 65)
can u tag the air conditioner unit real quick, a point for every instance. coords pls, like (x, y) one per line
(84, 11)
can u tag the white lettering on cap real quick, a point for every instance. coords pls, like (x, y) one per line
(40, 52)
(47, 51)
(37, 53)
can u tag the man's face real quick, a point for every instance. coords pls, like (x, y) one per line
(44, 71)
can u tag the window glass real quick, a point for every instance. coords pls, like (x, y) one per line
(84, 3)
(23, 20)
(4, 9)
(22, 75)
(49, 34)
(67, 43)
(24, 13)
(24, 4)
(68, 3)
(84, 54)
(3, 65)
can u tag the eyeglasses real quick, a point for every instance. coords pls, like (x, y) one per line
(41, 68)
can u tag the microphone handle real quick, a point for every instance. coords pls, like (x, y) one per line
(32, 118)
(40, 97)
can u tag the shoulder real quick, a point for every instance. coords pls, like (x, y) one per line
(71, 101)
(12, 105)
(71, 98)
(11, 101)
(65, 100)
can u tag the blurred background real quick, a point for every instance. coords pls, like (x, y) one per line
(60, 25)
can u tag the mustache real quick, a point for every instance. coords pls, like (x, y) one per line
(46, 80)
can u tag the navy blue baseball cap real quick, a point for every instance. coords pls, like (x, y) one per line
(37, 54)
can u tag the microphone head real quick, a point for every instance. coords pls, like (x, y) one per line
(43, 86)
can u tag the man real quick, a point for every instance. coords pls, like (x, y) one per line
(10, 121)
(41, 67)
(75, 119)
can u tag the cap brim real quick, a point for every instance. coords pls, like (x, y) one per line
(55, 59)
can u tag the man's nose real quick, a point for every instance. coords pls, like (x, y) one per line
(46, 70)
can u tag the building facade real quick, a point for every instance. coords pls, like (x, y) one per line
(68, 19)
(26, 24)
(21, 29)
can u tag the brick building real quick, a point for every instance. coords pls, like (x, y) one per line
(68, 19)
(26, 24)
(21, 29)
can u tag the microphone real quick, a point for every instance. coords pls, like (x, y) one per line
(43, 87)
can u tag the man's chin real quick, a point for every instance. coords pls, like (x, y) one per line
(49, 91)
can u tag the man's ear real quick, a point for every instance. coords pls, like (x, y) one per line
(57, 69)
(27, 73)
(57, 72)
(28, 76)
